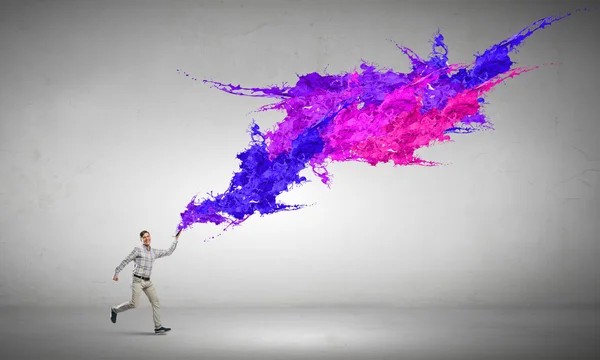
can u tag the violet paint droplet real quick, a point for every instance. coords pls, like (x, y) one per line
(367, 115)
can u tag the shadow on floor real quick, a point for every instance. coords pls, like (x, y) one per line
(140, 333)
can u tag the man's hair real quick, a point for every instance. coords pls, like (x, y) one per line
(143, 232)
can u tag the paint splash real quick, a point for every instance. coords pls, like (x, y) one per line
(372, 115)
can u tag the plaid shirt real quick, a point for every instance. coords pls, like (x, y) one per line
(144, 259)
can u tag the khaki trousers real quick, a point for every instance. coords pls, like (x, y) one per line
(137, 286)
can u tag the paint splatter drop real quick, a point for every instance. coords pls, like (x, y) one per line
(372, 115)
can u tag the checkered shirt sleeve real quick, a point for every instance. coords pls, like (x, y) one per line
(132, 255)
(162, 252)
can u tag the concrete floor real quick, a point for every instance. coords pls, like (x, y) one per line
(302, 333)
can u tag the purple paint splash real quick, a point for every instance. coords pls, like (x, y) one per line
(373, 116)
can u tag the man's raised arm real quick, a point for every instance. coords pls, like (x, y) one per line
(162, 252)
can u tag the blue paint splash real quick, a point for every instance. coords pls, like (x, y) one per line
(375, 116)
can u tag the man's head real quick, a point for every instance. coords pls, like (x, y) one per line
(145, 238)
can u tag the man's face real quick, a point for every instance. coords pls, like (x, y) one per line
(146, 239)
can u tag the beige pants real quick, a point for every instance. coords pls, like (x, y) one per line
(137, 286)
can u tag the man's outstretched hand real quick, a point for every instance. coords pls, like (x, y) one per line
(115, 278)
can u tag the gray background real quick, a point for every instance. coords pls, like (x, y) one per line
(100, 138)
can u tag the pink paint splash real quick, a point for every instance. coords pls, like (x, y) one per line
(372, 115)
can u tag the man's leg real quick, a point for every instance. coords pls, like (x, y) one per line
(136, 289)
(150, 292)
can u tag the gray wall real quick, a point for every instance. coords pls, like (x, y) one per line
(101, 137)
